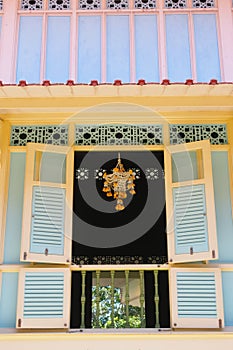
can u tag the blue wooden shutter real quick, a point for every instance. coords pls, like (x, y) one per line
(190, 219)
(190, 208)
(48, 203)
(43, 300)
(196, 298)
(48, 211)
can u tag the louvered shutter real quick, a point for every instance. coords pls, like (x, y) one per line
(191, 222)
(43, 298)
(47, 212)
(196, 298)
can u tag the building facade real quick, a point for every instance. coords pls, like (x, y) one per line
(81, 82)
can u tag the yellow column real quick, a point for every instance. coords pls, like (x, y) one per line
(230, 157)
(4, 175)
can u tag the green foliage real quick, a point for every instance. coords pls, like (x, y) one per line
(105, 310)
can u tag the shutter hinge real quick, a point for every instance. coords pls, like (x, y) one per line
(25, 256)
(46, 252)
(213, 254)
(220, 323)
(191, 250)
(19, 322)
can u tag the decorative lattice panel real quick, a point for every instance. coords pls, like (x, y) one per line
(203, 3)
(58, 5)
(216, 133)
(117, 4)
(118, 260)
(31, 5)
(119, 135)
(144, 4)
(50, 134)
(89, 4)
(175, 4)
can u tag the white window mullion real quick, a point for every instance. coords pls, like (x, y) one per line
(192, 46)
(132, 44)
(103, 44)
(43, 47)
(73, 42)
(162, 42)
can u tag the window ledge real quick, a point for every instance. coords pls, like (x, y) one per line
(11, 333)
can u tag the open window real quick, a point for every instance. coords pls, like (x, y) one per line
(190, 209)
(43, 298)
(47, 237)
(47, 212)
(196, 298)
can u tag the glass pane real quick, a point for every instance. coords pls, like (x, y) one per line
(29, 48)
(50, 167)
(89, 48)
(177, 43)
(187, 166)
(146, 48)
(206, 47)
(118, 48)
(58, 49)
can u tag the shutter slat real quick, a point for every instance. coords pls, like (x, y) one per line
(49, 283)
(190, 221)
(194, 226)
(48, 275)
(48, 220)
(207, 299)
(43, 298)
(43, 307)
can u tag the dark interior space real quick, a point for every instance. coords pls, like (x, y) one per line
(101, 235)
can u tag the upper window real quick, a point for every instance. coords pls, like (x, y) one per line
(110, 45)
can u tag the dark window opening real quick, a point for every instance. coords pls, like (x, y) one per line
(136, 235)
(112, 306)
